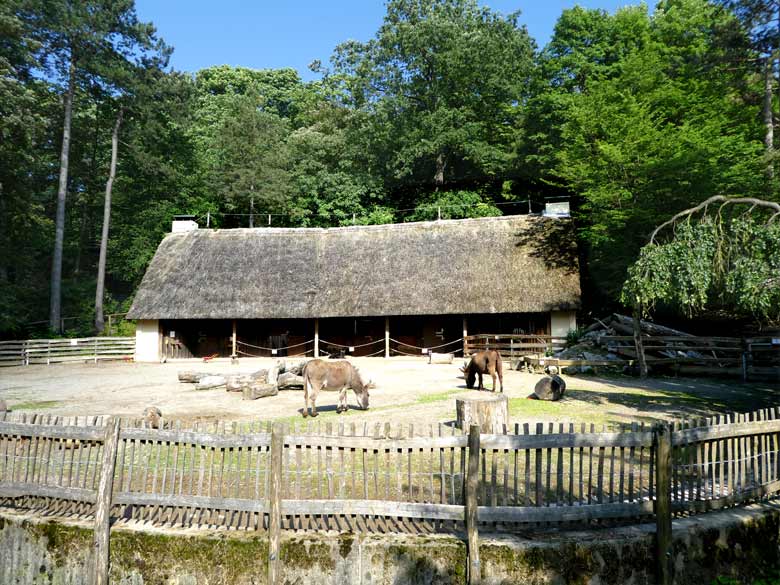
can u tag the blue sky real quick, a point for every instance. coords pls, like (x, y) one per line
(278, 33)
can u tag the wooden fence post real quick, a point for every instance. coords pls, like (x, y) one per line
(103, 502)
(473, 573)
(663, 504)
(275, 504)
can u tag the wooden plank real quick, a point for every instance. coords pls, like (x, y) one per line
(103, 508)
(217, 441)
(663, 506)
(74, 433)
(745, 495)
(189, 501)
(382, 444)
(564, 513)
(567, 440)
(390, 509)
(538, 461)
(473, 572)
(16, 489)
(275, 505)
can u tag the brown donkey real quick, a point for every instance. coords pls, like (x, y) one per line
(484, 362)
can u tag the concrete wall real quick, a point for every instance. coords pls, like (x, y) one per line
(561, 322)
(147, 340)
(738, 544)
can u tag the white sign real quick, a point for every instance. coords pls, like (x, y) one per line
(424, 350)
(351, 349)
(74, 341)
(172, 335)
(273, 352)
(776, 341)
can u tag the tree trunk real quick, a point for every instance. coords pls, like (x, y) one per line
(55, 300)
(441, 164)
(101, 277)
(769, 126)
(640, 348)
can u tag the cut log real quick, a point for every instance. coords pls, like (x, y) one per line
(288, 380)
(549, 388)
(440, 358)
(259, 390)
(237, 382)
(627, 324)
(192, 377)
(273, 372)
(292, 367)
(210, 382)
(487, 410)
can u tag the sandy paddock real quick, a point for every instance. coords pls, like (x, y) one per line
(408, 390)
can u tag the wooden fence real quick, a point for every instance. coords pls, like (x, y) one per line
(513, 346)
(50, 351)
(377, 478)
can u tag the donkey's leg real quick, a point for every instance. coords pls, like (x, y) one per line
(480, 387)
(315, 391)
(342, 407)
(306, 387)
(500, 369)
(492, 372)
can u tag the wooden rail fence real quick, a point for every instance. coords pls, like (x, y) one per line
(513, 346)
(50, 351)
(376, 478)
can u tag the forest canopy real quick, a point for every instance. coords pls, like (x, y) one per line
(450, 110)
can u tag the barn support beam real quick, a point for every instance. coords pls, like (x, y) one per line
(387, 337)
(316, 338)
(465, 334)
(234, 355)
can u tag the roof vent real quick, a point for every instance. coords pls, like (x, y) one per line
(183, 223)
(556, 209)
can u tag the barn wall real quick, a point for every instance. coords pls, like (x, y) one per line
(147, 340)
(561, 322)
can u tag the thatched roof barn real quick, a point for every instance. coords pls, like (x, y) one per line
(497, 265)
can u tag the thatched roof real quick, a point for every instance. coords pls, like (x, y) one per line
(507, 264)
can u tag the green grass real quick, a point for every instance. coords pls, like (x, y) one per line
(438, 396)
(35, 405)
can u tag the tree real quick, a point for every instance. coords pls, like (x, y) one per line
(653, 125)
(78, 42)
(442, 81)
(722, 254)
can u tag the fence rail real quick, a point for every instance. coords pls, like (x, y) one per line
(50, 351)
(514, 346)
(262, 477)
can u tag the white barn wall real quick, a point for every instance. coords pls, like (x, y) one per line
(561, 322)
(147, 340)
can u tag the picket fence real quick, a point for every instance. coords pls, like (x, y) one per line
(259, 476)
(51, 351)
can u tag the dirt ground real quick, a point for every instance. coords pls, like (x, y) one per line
(408, 390)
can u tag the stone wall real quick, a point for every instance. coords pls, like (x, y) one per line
(741, 544)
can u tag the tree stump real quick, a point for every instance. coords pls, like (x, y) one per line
(489, 411)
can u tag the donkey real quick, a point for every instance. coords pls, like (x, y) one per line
(488, 361)
(333, 375)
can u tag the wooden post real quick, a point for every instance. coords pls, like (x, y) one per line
(316, 338)
(387, 337)
(234, 355)
(275, 504)
(109, 325)
(103, 502)
(471, 485)
(465, 334)
(663, 505)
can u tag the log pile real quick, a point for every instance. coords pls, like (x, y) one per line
(252, 385)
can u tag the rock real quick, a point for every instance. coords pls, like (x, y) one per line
(152, 416)
(571, 370)
(209, 382)
(549, 388)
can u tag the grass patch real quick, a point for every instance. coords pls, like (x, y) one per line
(438, 396)
(35, 405)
